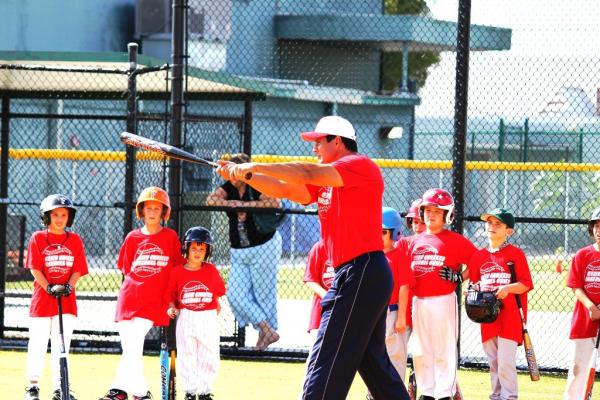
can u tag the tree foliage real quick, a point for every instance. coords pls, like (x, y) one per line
(418, 61)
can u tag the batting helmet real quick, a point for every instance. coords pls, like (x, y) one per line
(413, 212)
(56, 201)
(439, 198)
(198, 234)
(482, 306)
(156, 194)
(592, 221)
(391, 221)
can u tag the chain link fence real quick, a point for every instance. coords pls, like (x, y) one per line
(390, 67)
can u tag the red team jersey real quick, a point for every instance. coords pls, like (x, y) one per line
(350, 215)
(57, 257)
(491, 271)
(404, 273)
(146, 261)
(197, 290)
(428, 253)
(585, 274)
(319, 270)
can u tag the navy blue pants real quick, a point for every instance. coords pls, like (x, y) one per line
(352, 334)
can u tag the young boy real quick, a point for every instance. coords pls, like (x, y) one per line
(435, 258)
(583, 280)
(318, 276)
(56, 258)
(397, 322)
(193, 294)
(146, 258)
(489, 269)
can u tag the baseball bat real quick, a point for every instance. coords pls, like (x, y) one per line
(589, 384)
(64, 369)
(167, 150)
(172, 346)
(532, 365)
(458, 394)
(164, 366)
(412, 384)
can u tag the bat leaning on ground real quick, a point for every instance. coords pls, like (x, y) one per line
(172, 347)
(532, 365)
(164, 366)
(412, 384)
(167, 150)
(589, 384)
(64, 370)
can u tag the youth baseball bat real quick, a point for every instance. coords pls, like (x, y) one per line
(167, 150)
(164, 366)
(589, 384)
(532, 365)
(458, 394)
(412, 384)
(64, 370)
(172, 346)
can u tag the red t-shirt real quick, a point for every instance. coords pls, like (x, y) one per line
(428, 253)
(319, 270)
(197, 290)
(585, 274)
(146, 261)
(350, 215)
(491, 271)
(405, 274)
(58, 257)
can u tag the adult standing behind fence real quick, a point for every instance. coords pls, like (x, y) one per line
(348, 189)
(255, 255)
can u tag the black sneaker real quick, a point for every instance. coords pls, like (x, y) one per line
(32, 393)
(115, 394)
(206, 396)
(190, 396)
(57, 395)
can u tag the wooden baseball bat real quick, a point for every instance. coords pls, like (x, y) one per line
(532, 365)
(167, 150)
(412, 383)
(164, 366)
(589, 384)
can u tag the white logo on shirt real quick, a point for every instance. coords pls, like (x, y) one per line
(58, 260)
(492, 276)
(149, 260)
(195, 295)
(591, 281)
(425, 259)
(324, 200)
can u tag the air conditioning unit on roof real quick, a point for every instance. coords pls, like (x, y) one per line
(151, 17)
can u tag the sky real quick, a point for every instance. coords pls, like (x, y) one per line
(555, 43)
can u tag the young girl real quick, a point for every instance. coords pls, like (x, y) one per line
(193, 294)
(583, 280)
(56, 258)
(146, 259)
(490, 269)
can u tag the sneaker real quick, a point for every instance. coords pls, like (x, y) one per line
(147, 396)
(190, 396)
(206, 396)
(115, 394)
(32, 393)
(57, 395)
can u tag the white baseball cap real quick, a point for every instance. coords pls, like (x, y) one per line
(331, 125)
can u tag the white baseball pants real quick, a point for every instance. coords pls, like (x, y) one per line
(198, 351)
(578, 371)
(396, 344)
(40, 330)
(502, 357)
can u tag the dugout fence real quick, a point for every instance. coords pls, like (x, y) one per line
(524, 115)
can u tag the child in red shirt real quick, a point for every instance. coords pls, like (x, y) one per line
(146, 258)
(489, 270)
(193, 294)
(585, 283)
(56, 258)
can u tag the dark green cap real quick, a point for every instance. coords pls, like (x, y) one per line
(502, 214)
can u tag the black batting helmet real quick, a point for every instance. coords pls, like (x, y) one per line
(198, 234)
(482, 306)
(56, 201)
(592, 221)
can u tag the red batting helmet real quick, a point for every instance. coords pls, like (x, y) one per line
(438, 198)
(413, 212)
(156, 194)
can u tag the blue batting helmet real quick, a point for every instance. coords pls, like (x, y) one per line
(391, 220)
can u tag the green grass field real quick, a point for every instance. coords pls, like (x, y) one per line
(91, 375)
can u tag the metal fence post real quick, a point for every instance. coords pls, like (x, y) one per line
(132, 49)
(4, 142)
